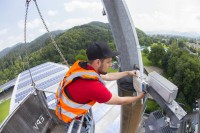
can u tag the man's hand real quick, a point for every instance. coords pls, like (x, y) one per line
(141, 95)
(132, 73)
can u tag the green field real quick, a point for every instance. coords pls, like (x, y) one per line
(4, 109)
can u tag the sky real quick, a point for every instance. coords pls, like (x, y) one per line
(147, 15)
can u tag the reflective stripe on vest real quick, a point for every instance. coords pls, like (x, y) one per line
(75, 105)
(69, 114)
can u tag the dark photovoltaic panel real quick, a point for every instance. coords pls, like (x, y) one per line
(35, 68)
(51, 97)
(45, 76)
(52, 106)
(25, 92)
(37, 72)
(42, 85)
(8, 84)
(50, 82)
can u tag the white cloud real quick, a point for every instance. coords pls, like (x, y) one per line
(52, 12)
(197, 18)
(83, 5)
(155, 21)
(69, 23)
(76, 21)
(188, 8)
(30, 25)
(166, 15)
(42, 30)
(178, 15)
(3, 31)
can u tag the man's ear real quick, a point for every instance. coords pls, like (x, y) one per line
(98, 61)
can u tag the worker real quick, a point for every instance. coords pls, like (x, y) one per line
(83, 86)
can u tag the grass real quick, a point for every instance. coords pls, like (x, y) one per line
(151, 106)
(4, 109)
(146, 62)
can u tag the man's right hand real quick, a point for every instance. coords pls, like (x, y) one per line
(141, 95)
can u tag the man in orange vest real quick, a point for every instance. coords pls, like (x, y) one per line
(83, 85)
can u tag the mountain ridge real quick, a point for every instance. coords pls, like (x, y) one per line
(39, 41)
(193, 35)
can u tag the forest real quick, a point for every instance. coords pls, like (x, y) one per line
(180, 67)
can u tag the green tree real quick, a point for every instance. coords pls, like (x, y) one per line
(144, 40)
(145, 51)
(187, 76)
(181, 43)
(198, 51)
(156, 54)
(82, 55)
(183, 70)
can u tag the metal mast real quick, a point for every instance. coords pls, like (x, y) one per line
(127, 43)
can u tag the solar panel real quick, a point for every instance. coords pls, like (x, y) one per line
(36, 78)
(8, 84)
(42, 85)
(51, 97)
(36, 72)
(51, 81)
(24, 92)
(52, 106)
(35, 68)
(45, 76)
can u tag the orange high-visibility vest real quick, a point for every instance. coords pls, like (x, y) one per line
(66, 109)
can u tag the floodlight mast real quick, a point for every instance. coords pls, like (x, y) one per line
(127, 43)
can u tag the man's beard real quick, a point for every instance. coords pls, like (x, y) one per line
(100, 70)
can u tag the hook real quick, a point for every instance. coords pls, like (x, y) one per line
(27, 2)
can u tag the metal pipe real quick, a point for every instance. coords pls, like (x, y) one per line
(80, 124)
(71, 126)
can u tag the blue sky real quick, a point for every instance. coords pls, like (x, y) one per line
(148, 15)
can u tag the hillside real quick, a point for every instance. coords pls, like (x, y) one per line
(71, 42)
(4, 52)
(40, 50)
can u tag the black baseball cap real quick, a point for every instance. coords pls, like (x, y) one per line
(100, 50)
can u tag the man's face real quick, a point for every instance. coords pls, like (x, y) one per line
(104, 65)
